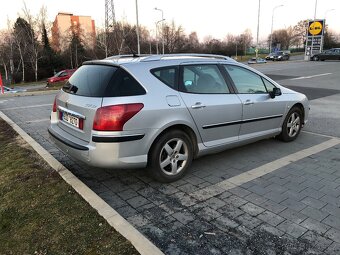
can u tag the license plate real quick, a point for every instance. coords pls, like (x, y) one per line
(74, 121)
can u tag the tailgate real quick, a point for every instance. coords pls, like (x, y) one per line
(76, 114)
(80, 98)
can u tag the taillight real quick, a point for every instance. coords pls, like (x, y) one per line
(113, 117)
(81, 124)
(54, 109)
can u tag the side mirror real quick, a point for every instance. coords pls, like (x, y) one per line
(276, 92)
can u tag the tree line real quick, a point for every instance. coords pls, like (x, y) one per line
(28, 54)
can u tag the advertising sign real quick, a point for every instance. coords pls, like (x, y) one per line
(314, 37)
(316, 28)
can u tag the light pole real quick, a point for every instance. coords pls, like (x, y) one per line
(329, 10)
(271, 31)
(137, 29)
(258, 28)
(157, 36)
(157, 9)
(236, 52)
(311, 51)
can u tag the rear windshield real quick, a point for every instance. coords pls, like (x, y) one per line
(90, 80)
(102, 81)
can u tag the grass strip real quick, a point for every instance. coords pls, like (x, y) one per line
(40, 213)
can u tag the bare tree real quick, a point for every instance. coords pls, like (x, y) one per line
(4, 50)
(245, 40)
(299, 33)
(32, 31)
(174, 37)
(21, 42)
(282, 38)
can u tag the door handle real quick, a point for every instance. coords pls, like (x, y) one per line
(248, 102)
(198, 105)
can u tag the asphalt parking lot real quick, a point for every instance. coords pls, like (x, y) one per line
(265, 198)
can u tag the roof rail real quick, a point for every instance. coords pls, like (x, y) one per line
(196, 55)
(116, 57)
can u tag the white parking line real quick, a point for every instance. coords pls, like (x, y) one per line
(309, 77)
(313, 133)
(35, 121)
(24, 107)
(240, 179)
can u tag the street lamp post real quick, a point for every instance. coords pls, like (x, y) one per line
(137, 29)
(157, 9)
(258, 28)
(236, 52)
(271, 31)
(322, 42)
(311, 51)
(157, 36)
(329, 10)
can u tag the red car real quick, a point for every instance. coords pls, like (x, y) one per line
(61, 76)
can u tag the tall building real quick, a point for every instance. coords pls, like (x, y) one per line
(62, 28)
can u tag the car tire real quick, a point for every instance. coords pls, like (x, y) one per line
(170, 156)
(316, 58)
(292, 125)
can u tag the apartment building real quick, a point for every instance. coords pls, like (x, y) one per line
(65, 23)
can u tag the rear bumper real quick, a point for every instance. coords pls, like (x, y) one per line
(105, 152)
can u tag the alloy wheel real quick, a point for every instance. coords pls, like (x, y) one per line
(173, 156)
(293, 124)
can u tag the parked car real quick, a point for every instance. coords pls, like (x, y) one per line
(331, 54)
(257, 61)
(162, 111)
(278, 56)
(60, 76)
(270, 56)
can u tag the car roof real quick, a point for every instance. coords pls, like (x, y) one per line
(161, 59)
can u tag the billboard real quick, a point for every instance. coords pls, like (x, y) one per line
(314, 37)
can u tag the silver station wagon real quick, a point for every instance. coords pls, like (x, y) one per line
(162, 111)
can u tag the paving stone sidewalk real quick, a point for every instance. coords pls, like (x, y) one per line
(293, 210)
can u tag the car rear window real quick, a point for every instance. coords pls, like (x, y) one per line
(102, 81)
(90, 80)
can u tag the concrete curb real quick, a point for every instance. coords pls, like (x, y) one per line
(29, 93)
(138, 240)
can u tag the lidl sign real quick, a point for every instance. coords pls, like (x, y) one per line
(316, 27)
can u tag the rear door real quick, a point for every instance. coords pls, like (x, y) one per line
(215, 110)
(82, 95)
(335, 54)
(328, 55)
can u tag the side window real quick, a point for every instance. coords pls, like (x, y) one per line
(203, 79)
(123, 84)
(167, 75)
(269, 86)
(246, 82)
(63, 74)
